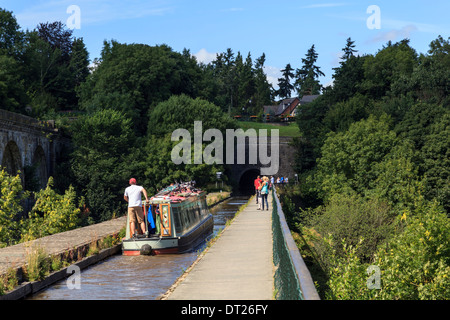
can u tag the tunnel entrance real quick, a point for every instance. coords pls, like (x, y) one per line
(246, 183)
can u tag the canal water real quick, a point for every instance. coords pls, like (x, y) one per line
(139, 277)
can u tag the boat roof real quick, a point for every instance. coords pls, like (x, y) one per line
(176, 193)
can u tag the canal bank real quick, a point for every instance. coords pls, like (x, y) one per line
(75, 244)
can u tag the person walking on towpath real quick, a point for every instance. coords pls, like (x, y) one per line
(135, 212)
(257, 184)
(265, 192)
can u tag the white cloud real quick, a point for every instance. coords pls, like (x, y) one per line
(421, 27)
(204, 56)
(329, 83)
(393, 35)
(92, 11)
(272, 74)
(400, 25)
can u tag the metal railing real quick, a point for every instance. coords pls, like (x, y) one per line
(292, 278)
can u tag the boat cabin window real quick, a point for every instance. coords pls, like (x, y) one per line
(186, 216)
(177, 219)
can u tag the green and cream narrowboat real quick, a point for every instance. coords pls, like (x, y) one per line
(181, 221)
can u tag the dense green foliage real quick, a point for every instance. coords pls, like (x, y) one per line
(307, 77)
(372, 153)
(101, 162)
(51, 213)
(127, 105)
(180, 112)
(133, 78)
(41, 68)
(374, 191)
(11, 188)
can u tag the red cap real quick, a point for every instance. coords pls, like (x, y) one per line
(132, 181)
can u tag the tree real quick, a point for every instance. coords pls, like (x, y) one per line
(263, 90)
(10, 207)
(133, 78)
(53, 65)
(342, 114)
(435, 161)
(386, 67)
(225, 70)
(349, 49)
(307, 82)
(11, 38)
(246, 84)
(440, 48)
(52, 213)
(348, 219)
(79, 62)
(12, 89)
(238, 84)
(103, 160)
(347, 78)
(180, 112)
(429, 80)
(414, 263)
(310, 120)
(284, 83)
(57, 36)
(356, 161)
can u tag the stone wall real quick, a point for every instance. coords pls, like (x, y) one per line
(25, 141)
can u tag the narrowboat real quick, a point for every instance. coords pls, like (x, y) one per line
(177, 220)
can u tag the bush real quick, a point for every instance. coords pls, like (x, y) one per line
(414, 264)
(347, 275)
(52, 213)
(350, 218)
(10, 198)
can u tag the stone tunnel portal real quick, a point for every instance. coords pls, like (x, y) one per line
(246, 182)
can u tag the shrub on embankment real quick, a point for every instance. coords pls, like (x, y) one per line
(52, 213)
(362, 248)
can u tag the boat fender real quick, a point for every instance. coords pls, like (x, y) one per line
(146, 250)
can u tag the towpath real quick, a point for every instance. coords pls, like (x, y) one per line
(16, 256)
(238, 266)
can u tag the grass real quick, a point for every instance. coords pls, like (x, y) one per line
(215, 197)
(38, 263)
(289, 130)
(8, 281)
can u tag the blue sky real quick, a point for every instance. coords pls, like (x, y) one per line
(284, 30)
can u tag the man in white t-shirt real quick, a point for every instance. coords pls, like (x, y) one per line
(135, 212)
